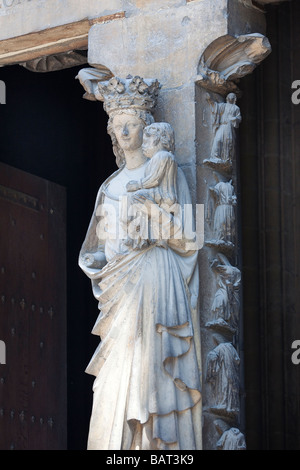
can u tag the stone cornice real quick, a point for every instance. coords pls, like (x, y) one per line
(51, 41)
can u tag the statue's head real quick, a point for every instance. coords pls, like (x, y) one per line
(231, 98)
(142, 117)
(158, 136)
(132, 97)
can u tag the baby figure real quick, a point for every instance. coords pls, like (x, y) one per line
(158, 185)
(159, 182)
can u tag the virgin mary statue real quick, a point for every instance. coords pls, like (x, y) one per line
(146, 393)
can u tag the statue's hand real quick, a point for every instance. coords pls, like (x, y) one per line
(94, 260)
(132, 186)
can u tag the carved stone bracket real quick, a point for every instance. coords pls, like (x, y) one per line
(56, 62)
(228, 58)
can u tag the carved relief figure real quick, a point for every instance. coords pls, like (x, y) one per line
(225, 307)
(159, 182)
(147, 386)
(227, 118)
(223, 373)
(224, 216)
(232, 439)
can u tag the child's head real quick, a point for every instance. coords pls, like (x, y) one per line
(158, 136)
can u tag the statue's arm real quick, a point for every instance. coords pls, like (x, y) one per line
(94, 260)
(156, 170)
(133, 186)
(92, 254)
(167, 225)
(91, 263)
(237, 118)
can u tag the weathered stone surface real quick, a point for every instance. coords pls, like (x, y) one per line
(56, 62)
(20, 17)
(50, 41)
(164, 43)
(245, 17)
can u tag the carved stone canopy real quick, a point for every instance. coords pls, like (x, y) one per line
(56, 62)
(228, 58)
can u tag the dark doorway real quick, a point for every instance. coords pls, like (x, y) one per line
(48, 130)
(33, 384)
(270, 168)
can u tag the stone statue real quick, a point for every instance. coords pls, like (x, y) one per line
(224, 216)
(161, 171)
(227, 117)
(232, 439)
(226, 304)
(159, 182)
(147, 365)
(223, 373)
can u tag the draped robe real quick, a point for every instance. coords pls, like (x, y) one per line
(227, 117)
(146, 394)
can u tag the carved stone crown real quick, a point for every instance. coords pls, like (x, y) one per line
(133, 92)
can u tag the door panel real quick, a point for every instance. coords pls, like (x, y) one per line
(32, 312)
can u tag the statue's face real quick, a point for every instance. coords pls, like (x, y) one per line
(129, 131)
(150, 144)
(231, 98)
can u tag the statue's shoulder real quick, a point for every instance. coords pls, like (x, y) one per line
(163, 154)
(113, 178)
(160, 160)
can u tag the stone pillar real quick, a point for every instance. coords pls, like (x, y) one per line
(198, 49)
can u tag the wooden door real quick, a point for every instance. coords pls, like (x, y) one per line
(32, 312)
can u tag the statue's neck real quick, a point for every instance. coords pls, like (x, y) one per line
(134, 158)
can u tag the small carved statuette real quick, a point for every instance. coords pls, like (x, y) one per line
(232, 439)
(224, 216)
(226, 118)
(223, 374)
(225, 307)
